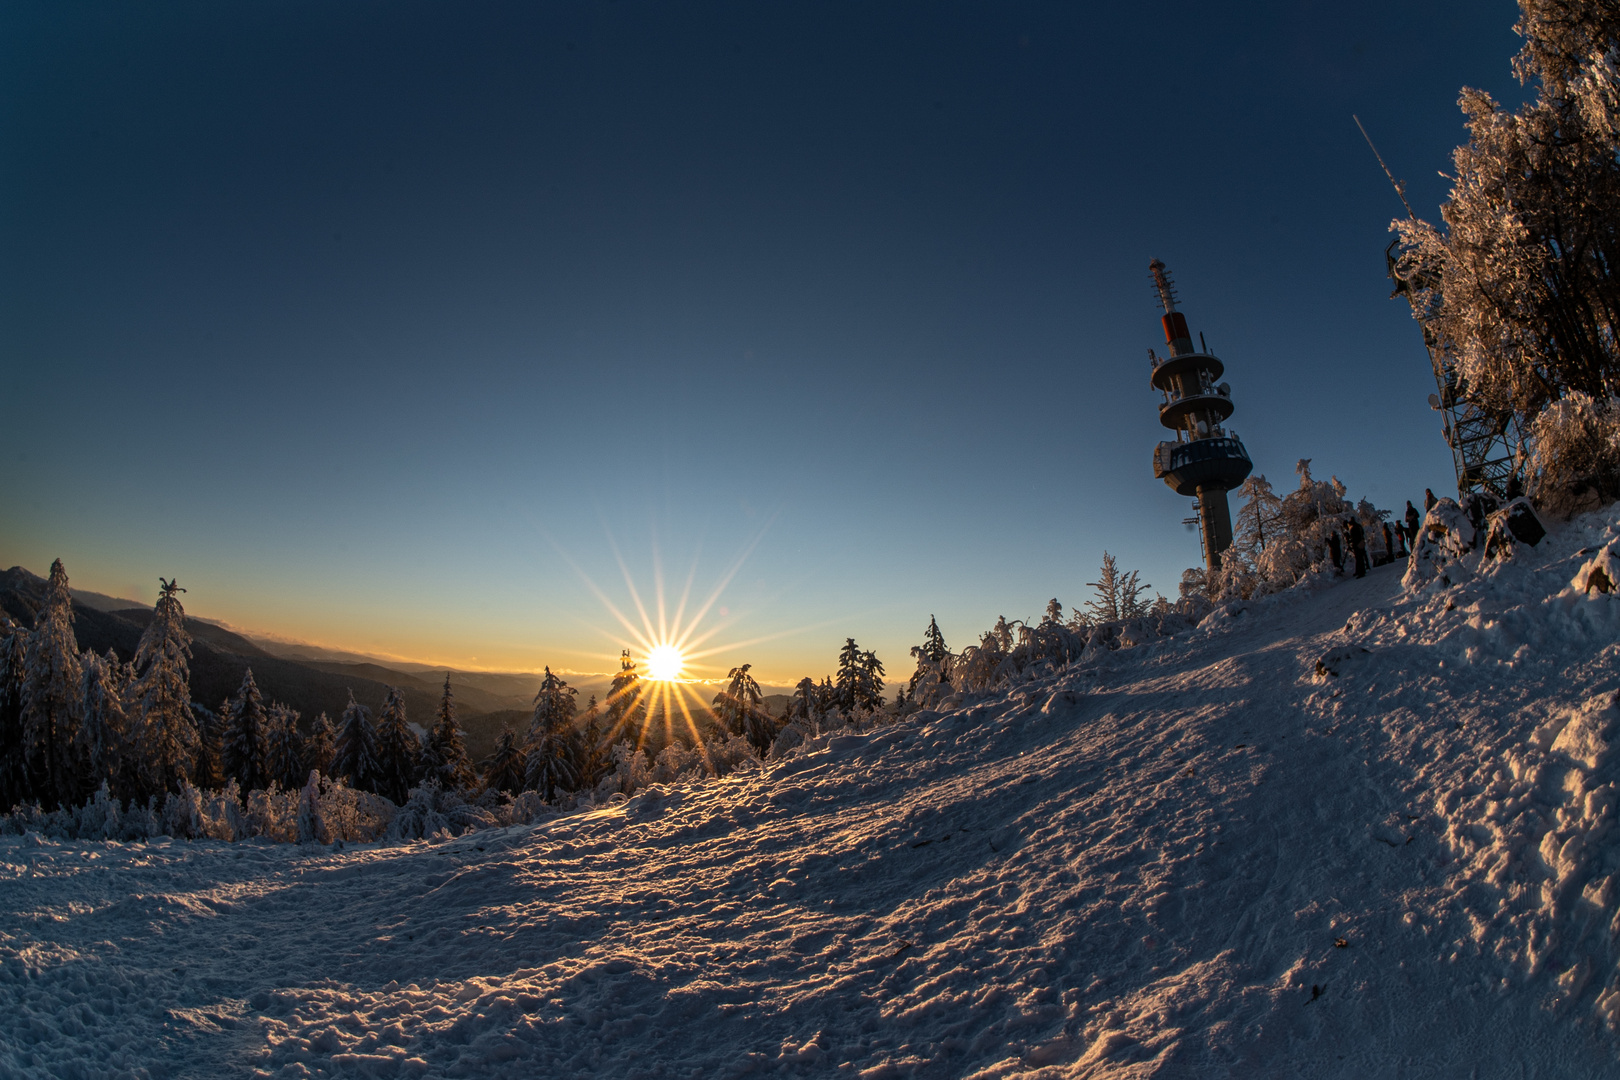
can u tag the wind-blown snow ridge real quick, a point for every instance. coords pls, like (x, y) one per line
(1360, 832)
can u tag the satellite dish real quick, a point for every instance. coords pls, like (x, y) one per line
(1434, 401)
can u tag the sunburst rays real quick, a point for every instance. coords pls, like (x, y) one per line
(668, 651)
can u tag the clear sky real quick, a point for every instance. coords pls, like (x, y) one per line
(381, 325)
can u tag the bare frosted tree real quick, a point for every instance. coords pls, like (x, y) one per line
(1105, 608)
(1131, 604)
(1259, 519)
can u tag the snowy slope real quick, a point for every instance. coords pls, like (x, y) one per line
(1144, 867)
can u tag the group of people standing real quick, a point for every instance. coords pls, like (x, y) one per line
(1347, 537)
(1347, 541)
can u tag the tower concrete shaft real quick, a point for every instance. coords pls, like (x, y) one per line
(1204, 460)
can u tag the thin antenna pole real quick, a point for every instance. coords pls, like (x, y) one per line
(1400, 188)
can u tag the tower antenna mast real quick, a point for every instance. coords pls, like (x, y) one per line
(1481, 438)
(1400, 188)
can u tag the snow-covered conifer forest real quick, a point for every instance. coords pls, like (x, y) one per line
(121, 739)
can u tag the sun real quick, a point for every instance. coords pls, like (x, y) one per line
(664, 663)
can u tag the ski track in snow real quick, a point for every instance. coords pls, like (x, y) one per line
(1198, 857)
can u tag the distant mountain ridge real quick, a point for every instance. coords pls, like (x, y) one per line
(101, 601)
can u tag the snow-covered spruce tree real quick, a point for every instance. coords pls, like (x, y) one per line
(1105, 608)
(626, 713)
(740, 708)
(284, 750)
(930, 683)
(244, 743)
(933, 645)
(850, 677)
(505, 770)
(826, 697)
(802, 705)
(933, 675)
(320, 747)
(208, 764)
(444, 757)
(1131, 604)
(1519, 289)
(1054, 612)
(354, 758)
(594, 749)
(14, 786)
(166, 739)
(871, 683)
(551, 750)
(103, 731)
(53, 695)
(399, 751)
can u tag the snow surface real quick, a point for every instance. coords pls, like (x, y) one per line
(1347, 832)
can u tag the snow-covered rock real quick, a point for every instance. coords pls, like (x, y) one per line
(1446, 536)
(1600, 573)
(1512, 528)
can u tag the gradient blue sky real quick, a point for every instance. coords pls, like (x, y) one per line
(380, 324)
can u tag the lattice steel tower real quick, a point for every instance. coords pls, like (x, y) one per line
(1205, 460)
(1488, 448)
(1487, 445)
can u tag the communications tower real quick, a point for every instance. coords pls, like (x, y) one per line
(1205, 460)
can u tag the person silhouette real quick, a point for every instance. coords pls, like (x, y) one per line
(1358, 546)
